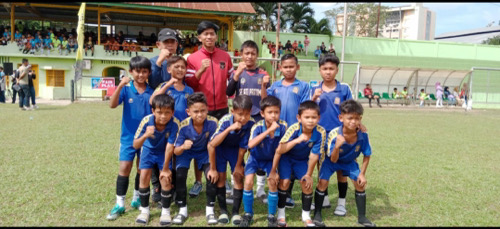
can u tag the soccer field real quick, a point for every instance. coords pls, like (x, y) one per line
(429, 167)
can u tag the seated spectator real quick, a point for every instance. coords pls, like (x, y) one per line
(39, 43)
(47, 44)
(317, 52)
(223, 45)
(126, 47)
(236, 53)
(27, 47)
(89, 45)
(323, 48)
(72, 43)
(405, 96)
(295, 47)
(459, 101)
(17, 36)
(423, 96)
(288, 46)
(280, 50)
(22, 42)
(449, 96)
(115, 47)
(264, 40)
(144, 47)
(332, 49)
(33, 45)
(108, 46)
(369, 95)
(6, 34)
(396, 94)
(180, 50)
(463, 95)
(56, 43)
(64, 45)
(272, 48)
(301, 47)
(3, 41)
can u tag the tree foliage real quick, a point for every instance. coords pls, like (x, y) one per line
(492, 40)
(362, 18)
(297, 15)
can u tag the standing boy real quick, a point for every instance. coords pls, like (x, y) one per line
(345, 143)
(329, 94)
(228, 145)
(156, 135)
(300, 149)
(264, 139)
(135, 96)
(191, 143)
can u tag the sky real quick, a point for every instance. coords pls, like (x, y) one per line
(450, 17)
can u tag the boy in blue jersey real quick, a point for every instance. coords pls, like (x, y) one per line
(300, 149)
(253, 81)
(291, 92)
(264, 139)
(191, 143)
(228, 145)
(345, 143)
(156, 135)
(135, 98)
(47, 44)
(329, 94)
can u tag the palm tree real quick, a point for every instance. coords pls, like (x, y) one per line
(319, 27)
(265, 10)
(298, 15)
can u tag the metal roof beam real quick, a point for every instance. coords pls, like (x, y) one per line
(6, 6)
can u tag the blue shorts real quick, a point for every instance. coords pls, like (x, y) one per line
(127, 152)
(328, 168)
(288, 165)
(225, 155)
(149, 159)
(184, 160)
(253, 165)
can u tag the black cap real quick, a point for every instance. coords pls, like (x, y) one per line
(166, 34)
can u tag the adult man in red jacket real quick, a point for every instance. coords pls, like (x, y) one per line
(209, 70)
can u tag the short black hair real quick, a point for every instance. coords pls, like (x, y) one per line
(404, 88)
(329, 58)
(139, 62)
(204, 25)
(308, 105)
(24, 60)
(163, 100)
(289, 56)
(395, 88)
(270, 101)
(351, 106)
(242, 102)
(422, 89)
(250, 44)
(197, 97)
(175, 59)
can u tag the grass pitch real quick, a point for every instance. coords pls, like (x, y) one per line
(429, 168)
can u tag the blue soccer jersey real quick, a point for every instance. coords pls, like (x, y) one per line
(329, 104)
(158, 142)
(235, 139)
(250, 84)
(47, 41)
(349, 152)
(135, 108)
(180, 98)
(265, 150)
(291, 96)
(200, 141)
(314, 145)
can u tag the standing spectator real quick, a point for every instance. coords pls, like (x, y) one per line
(14, 86)
(24, 93)
(140, 38)
(439, 95)
(167, 44)
(152, 39)
(369, 94)
(306, 43)
(89, 45)
(463, 95)
(2, 85)
(194, 40)
(264, 40)
(31, 77)
(323, 48)
(72, 43)
(223, 45)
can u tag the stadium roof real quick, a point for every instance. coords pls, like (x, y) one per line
(473, 36)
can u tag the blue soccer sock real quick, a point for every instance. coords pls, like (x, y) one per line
(272, 202)
(248, 201)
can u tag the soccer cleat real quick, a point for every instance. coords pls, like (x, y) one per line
(282, 222)
(365, 222)
(309, 223)
(318, 220)
(179, 219)
(211, 219)
(223, 218)
(196, 189)
(165, 220)
(115, 212)
(271, 221)
(236, 220)
(290, 203)
(246, 220)
(340, 210)
(135, 203)
(142, 219)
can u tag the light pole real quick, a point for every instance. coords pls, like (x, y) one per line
(344, 31)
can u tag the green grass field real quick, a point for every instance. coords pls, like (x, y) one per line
(429, 168)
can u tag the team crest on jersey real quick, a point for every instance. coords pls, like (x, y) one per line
(206, 134)
(357, 148)
(222, 65)
(169, 92)
(337, 100)
(243, 80)
(186, 95)
(166, 135)
(341, 151)
(295, 90)
(130, 100)
(310, 144)
(259, 81)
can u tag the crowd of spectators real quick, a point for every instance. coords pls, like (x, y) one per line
(296, 48)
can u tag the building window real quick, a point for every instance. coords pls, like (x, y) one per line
(55, 78)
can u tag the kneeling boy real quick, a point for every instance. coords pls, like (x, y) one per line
(156, 135)
(345, 143)
(229, 144)
(191, 143)
(264, 139)
(301, 147)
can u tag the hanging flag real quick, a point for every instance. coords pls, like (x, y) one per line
(80, 38)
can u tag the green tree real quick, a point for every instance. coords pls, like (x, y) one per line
(248, 23)
(319, 27)
(266, 11)
(362, 18)
(297, 15)
(492, 40)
